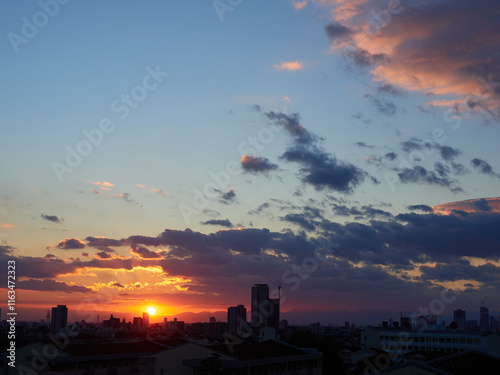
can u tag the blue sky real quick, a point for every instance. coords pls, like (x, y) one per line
(346, 122)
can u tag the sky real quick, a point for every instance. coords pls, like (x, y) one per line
(172, 154)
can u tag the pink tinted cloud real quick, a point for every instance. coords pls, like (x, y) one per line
(290, 65)
(298, 5)
(448, 48)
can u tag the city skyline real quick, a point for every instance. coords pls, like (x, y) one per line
(171, 155)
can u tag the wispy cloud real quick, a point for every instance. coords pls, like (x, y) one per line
(290, 65)
(104, 185)
(298, 5)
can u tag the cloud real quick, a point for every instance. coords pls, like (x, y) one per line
(6, 250)
(424, 49)
(383, 105)
(421, 207)
(103, 255)
(391, 156)
(298, 5)
(104, 185)
(387, 88)
(291, 123)
(52, 218)
(421, 175)
(318, 168)
(335, 31)
(483, 205)
(128, 198)
(145, 253)
(364, 145)
(324, 171)
(51, 286)
(103, 243)
(228, 197)
(290, 65)
(253, 164)
(219, 222)
(158, 191)
(70, 243)
(483, 166)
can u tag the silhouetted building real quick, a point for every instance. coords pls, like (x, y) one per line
(236, 319)
(274, 314)
(459, 318)
(59, 318)
(145, 319)
(484, 318)
(137, 321)
(260, 304)
(212, 319)
(113, 323)
(405, 322)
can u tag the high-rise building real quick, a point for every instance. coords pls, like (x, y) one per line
(145, 319)
(459, 318)
(484, 318)
(236, 319)
(260, 304)
(59, 318)
(273, 319)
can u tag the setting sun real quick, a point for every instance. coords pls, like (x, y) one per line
(151, 310)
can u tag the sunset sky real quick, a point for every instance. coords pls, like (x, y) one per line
(173, 153)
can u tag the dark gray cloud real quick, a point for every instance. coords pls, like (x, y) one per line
(256, 108)
(291, 123)
(52, 218)
(6, 250)
(51, 286)
(253, 164)
(259, 209)
(99, 242)
(145, 253)
(324, 171)
(103, 255)
(482, 205)
(70, 243)
(483, 166)
(228, 197)
(382, 105)
(391, 156)
(219, 222)
(420, 175)
(387, 88)
(448, 153)
(421, 207)
(364, 145)
(365, 59)
(335, 31)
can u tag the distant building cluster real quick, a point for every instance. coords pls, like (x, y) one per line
(253, 342)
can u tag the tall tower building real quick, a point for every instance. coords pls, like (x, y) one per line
(59, 318)
(145, 319)
(260, 304)
(236, 317)
(459, 318)
(273, 319)
(484, 318)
